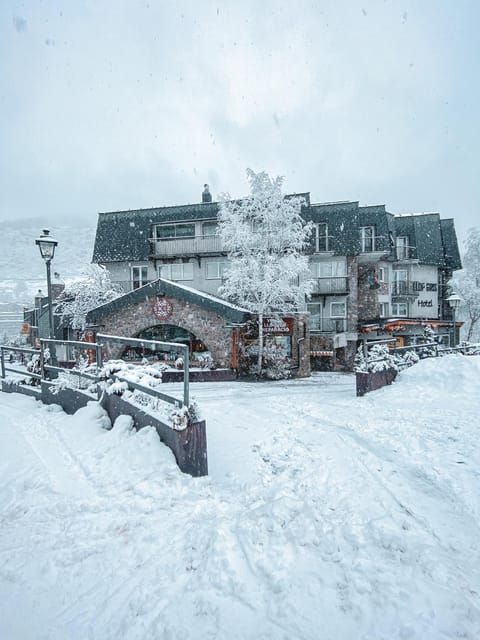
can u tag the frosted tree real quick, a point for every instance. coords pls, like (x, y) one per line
(468, 282)
(93, 289)
(265, 235)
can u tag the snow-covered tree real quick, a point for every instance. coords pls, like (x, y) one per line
(91, 290)
(468, 282)
(265, 235)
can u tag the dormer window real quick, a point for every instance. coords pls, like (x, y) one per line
(322, 237)
(401, 244)
(367, 239)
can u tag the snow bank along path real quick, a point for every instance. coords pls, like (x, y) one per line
(325, 516)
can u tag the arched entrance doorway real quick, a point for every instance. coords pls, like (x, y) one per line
(168, 333)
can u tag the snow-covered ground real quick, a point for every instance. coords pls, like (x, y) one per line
(325, 516)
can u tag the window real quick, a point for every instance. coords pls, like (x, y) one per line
(400, 309)
(169, 231)
(176, 271)
(214, 270)
(400, 278)
(139, 277)
(382, 274)
(209, 228)
(328, 269)
(322, 243)
(384, 309)
(402, 247)
(337, 309)
(367, 238)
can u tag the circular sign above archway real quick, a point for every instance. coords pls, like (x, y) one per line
(162, 308)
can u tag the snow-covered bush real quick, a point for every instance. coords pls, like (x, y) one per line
(408, 358)
(379, 359)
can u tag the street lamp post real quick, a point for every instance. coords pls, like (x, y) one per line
(454, 302)
(47, 245)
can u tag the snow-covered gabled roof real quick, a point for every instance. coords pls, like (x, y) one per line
(163, 287)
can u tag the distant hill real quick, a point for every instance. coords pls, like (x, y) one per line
(22, 270)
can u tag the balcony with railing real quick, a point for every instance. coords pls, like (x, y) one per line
(375, 244)
(330, 286)
(169, 247)
(405, 253)
(327, 325)
(404, 289)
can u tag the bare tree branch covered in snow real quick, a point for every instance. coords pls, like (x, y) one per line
(468, 282)
(92, 290)
(265, 236)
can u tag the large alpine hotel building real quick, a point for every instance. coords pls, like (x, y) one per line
(376, 275)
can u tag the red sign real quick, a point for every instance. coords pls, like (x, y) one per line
(278, 326)
(162, 308)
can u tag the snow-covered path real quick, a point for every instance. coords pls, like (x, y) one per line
(325, 516)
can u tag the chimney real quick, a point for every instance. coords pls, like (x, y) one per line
(206, 195)
(39, 299)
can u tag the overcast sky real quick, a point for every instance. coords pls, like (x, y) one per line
(119, 104)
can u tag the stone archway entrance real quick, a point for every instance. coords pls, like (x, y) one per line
(199, 351)
(160, 305)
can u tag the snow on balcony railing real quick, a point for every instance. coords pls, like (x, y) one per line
(185, 246)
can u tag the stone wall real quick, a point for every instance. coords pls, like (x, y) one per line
(209, 327)
(368, 306)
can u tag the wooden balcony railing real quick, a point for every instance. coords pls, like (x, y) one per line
(185, 246)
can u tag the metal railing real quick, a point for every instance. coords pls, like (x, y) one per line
(404, 288)
(96, 356)
(24, 372)
(327, 325)
(375, 244)
(405, 253)
(154, 345)
(329, 285)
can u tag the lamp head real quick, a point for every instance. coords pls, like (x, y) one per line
(454, 300)
(47, 245)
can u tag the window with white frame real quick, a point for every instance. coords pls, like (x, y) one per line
(328, 269)
(209, 228)
(401, 243)
(367, 239)
(176, 271)
(171, 231)
(322, 239)
(214, 269)
(382, 274)
(338, 309)
(400, 309)
(384, 308)
(139, 277)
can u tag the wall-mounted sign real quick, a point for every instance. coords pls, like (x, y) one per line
(424, 286)
(278, 326)
(162, 308)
